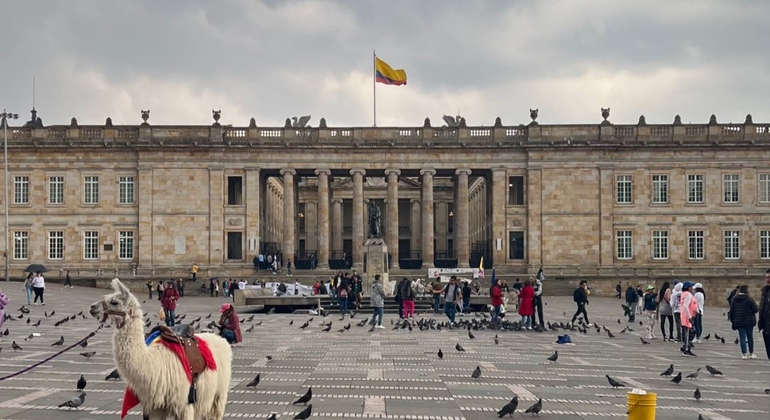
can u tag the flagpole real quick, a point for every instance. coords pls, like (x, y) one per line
(374, 86)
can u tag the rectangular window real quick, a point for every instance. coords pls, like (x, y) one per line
(732, 245)
(91, 190)
(695, 244)
(126, 245)
(764, 244)
(695, 189)
(91, 245)
(20, 245)
(21, 190)
(764, 188)
(56, 245)
(126, 190)
(625, 244)
(660, 189)
(731, 186)
(55, 190)
(625, 188)
(234, 190)
(516, 245)
(515, 190)
(660, 244)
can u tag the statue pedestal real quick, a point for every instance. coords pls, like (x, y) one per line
(375, 262)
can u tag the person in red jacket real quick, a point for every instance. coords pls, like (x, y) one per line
(229, 324)
(168, 301)
(496, 297)
(526, 308)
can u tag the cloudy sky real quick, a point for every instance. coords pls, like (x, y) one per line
(274, 59)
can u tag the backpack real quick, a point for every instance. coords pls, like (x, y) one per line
(649, 302)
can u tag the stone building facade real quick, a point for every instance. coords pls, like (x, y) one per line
(595, 198)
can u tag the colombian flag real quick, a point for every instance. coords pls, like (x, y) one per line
(386, 75)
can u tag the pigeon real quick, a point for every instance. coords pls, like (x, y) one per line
(458, 347)
(707, 336)
(254, 382)
(24, 309)
(700, 417)
(88, 354)
(53, 312)
(30, 337)
(6, 332)
(269, 358)
(677, 378)
(554, 357)
(722, 340)
(697, 394)
(328, 328)
(470, 335)
(440, 354)
(15, 346)
(643, 340)
(208, 316)
(609, 334)
(476, 373)
(736, 341)
(305, 398)
(59, 342)
(497, 341)
(113, 375)
(614, 383)
(668, 371)
(509, 408)
(84, 343)
(75, 402)
(717, 336)
(694, 375)
(304, 414)
(29, 320)
(272, 416)
(713, 371)
(250, 329)
(535, 409)
(82, 383)
(290, 323)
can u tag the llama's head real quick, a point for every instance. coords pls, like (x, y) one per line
(118, 306)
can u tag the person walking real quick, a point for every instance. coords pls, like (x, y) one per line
(4, 301)
(764, 316)
(229, 326)
(496, 300)
(28, 287)
(168, 301)
(526, 309)
(194, 272)
(399, 300)
(452, 294)
(743, 317)
(343, 292)
(377, 301)
(68, 281)
(650, 308)
(675, 303)
(149, 288)
(437, 290)
(537, 300)
(407, 296)
(700, 297)
(632, 298)
(688, 309)
(38, 286)
(664, 309)
(618, 290)
(580, 297)
(160, 289)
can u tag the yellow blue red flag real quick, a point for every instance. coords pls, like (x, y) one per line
(387, 75)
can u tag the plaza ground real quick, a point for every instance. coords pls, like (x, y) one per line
(395, 374)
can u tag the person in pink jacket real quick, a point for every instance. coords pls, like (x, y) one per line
(4, 301)
(688, 310)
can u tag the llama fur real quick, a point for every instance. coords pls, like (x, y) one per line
(155, 374)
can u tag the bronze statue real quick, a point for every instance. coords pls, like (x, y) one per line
(375, 215)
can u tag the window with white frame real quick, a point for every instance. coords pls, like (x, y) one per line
(764, 188)
(764, 244)
(126, 190)
(20, 245)
(21, 190)
(56, 189)
(695, 244)
(91, 190)
(56, 245)
(625, 244)
(731, 185)
(660, 244)
(126, 245)
(695, 189)
(624, 189)
(732, 249)
(660, 189)
(91, 245)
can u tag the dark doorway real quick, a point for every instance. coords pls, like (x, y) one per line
(234, 246)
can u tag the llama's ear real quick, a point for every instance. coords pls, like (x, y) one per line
(120, 287)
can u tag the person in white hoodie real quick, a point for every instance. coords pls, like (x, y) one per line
(676, 309)
(700, 297)
(38, 286)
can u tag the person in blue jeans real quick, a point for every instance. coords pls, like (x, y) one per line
(342, 298)
(743, 316)
(452, 296)
(377, 302)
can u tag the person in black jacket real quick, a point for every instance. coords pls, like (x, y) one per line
(764, 313)
(632, 298)
(580, 296)
(743, 316)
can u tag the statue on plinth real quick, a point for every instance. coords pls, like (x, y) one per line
(375, 216)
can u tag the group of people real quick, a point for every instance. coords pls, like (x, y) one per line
(35, 285)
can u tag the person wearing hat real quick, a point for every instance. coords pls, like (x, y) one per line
(687, 311)
(168, 301)
(650, 308)
(700, 297)
(229, 325)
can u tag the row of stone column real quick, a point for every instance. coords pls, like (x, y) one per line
(273, 215)
(422, 219)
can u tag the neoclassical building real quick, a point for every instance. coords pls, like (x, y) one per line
(586, 198)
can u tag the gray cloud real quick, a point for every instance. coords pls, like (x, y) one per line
(273, 59)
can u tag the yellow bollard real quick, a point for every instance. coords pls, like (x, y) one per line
(642, 406)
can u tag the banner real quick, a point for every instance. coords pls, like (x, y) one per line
(434, 273)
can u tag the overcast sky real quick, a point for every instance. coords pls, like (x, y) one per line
(275, 59)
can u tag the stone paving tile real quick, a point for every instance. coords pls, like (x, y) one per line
(394, 374)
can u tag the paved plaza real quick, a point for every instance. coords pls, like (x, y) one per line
(394, 374)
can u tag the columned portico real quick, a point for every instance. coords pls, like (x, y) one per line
(462, 231)
(358, 214)
(323, 217)
(289, 214)
(391, 225)
(427, 216)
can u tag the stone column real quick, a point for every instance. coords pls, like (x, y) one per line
(358, 217)
(289, 215)
(253, 213)
(416, 232)
(337, 225)
(462, 219)
(391, 225)
(323, 217)
(497, 225)
(427, 216)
